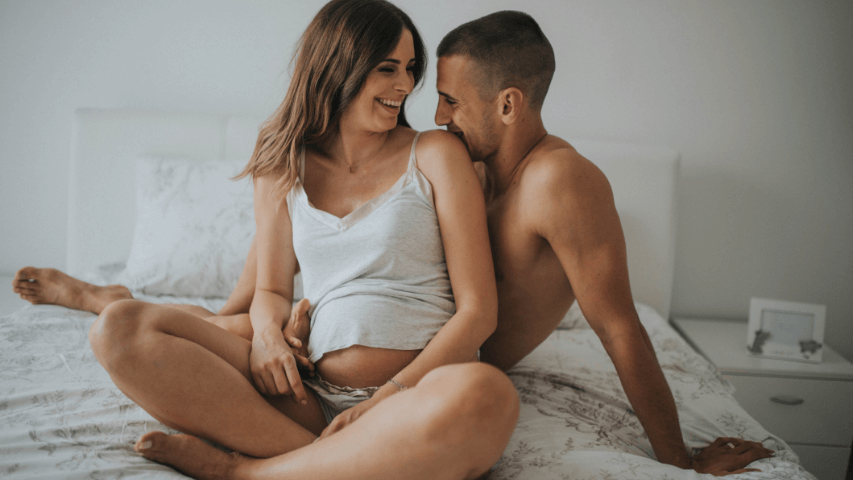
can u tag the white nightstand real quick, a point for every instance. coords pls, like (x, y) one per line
(9, 301)
(809, 405)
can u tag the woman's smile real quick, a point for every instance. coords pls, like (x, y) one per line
(390, 105)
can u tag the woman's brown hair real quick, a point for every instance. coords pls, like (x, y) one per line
(346, 40)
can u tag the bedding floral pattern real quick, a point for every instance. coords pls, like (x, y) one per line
(61, 416)
(193, 228)
(576, 421)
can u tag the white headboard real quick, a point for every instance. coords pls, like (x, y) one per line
(102, 202)
(102, 198)
(643, 179)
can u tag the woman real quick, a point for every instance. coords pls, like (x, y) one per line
(383, 221)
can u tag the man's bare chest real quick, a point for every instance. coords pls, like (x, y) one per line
(522, 257)
(515, 245)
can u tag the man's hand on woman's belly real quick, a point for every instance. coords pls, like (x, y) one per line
(298, 328)
(356, 366)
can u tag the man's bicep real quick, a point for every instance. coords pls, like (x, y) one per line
(586, 235)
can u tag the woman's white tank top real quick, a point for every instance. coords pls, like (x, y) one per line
(378, 276)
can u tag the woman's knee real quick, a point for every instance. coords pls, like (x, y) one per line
(113, 331)
(491, 394)
(474, 380)
(474, 412)
(477, 398)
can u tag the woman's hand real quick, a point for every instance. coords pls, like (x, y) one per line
(347, 417)
(352, 414)
(274, 366)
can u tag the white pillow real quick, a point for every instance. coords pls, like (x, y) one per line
(193, 228)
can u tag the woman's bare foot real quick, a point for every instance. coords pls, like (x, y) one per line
(188, 454)
(50, 286)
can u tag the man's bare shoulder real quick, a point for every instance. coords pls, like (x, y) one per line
(557, 176)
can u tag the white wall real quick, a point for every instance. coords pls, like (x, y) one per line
(755, 95)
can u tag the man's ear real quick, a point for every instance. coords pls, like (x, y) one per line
(510, 104)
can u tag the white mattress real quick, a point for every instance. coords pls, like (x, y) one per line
(61, 416)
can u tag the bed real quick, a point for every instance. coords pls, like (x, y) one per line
(61, 416)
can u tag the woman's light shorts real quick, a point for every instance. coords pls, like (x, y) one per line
(334, 399)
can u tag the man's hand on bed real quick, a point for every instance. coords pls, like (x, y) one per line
(274, 366)
(726, 456)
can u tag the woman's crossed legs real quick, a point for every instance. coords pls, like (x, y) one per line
(194, 376)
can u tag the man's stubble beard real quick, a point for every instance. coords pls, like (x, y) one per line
(489, 140)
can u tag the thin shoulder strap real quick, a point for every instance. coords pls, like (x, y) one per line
(413, 162)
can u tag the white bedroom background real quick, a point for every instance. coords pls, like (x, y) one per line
(755, 95)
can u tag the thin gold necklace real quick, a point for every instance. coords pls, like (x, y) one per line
(354, 167)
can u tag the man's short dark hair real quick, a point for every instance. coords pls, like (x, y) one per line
(509, 49)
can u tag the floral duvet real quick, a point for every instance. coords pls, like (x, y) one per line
(61, 416)
(576, 422)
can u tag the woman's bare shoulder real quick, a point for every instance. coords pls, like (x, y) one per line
(440, 139)
(440, 149)
(444, 160)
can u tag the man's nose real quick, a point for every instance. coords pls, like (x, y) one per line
(442, 113)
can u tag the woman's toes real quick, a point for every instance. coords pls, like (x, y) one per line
(25, 287)
(151, 444)
(146, 441)
(33, 299)
(187, 454)
(24, 274)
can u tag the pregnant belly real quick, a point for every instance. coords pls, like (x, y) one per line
(364, 340)
(359, 366)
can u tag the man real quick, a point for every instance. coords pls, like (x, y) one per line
(553, 226)
(554, 231)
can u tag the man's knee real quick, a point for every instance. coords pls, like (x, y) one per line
(113, 331)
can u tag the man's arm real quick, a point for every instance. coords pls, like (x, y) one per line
(577, 216)
(241, 297)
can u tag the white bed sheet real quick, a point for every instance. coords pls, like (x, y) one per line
(576, 421)
(61, 416)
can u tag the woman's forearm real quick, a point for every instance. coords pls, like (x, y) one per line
(268, 309)
(456, 342)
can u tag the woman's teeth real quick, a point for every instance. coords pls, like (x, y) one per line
(390, 103)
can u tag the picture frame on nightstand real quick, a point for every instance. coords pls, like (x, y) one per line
(786, 330)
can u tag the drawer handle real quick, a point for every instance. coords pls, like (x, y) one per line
(787, 400)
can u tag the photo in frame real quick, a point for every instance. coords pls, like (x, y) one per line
(786, 330)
